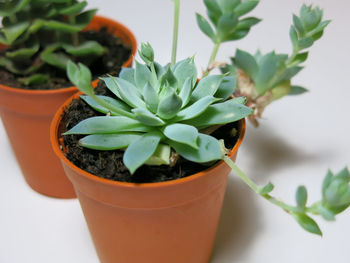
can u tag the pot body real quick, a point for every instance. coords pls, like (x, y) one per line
(27, 114)
(172, 222)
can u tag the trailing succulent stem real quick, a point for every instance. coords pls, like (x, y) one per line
(44, 33)
(335, 198)
(226, 23)
(265, 78)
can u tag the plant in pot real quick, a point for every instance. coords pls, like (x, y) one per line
(37, 39)
(147, 155)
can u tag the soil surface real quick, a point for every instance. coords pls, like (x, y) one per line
(109, 164)
(110, 63)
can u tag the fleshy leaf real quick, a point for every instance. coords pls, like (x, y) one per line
(150, 96)
(169, 106)
(208, 149)
(206, 87)
(182, 133)
(205, 27)
(115, 103)
(142, 75)
(307, 223)
(106, 142)
(106, 125)
(141, 150)
(86, 48)
(148, 118)
(221, 113)
(195, 109)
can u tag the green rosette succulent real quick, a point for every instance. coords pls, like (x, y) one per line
(158, 110)
(264, 78)
(43, 33)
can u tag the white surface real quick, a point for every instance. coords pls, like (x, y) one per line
(299, 140)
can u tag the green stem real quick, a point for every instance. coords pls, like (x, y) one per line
(212, 58)
(256, 189)
(175, 31)
(75, 37)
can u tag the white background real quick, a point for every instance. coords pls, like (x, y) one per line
(299, 139)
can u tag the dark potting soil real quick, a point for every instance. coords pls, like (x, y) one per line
(110, 63)
(109, 164)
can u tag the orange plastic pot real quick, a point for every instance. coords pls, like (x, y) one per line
(27, 114)
(166, 222)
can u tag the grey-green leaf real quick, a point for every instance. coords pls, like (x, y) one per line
(221, 113)
(301, 196)
(205, 27)
(129, 93)
(142, 75)
(106, 125)
(206, 87)
(113, 102)
(150, 96)
(266, 189)
(128, 74)
(226, 88)
(107, 142)
(297, 90)
(148, 118)
(307, 223)
(169, 106)
(182, 133)
(195, 109)
(245, 7)
(140, 151)
(246, 62)
(208, 149)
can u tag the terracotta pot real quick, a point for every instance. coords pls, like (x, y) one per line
(27, 114)
(166, 222)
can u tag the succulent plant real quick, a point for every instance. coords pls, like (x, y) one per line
(39, 33)
(227, 22)
(263, 78)
(158, 110)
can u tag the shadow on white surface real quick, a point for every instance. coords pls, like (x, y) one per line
(270, 153)
(239, 224)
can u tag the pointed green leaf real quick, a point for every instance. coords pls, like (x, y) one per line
(142, 75)
(128, 74)
(23, 53)
(208, 149)
(168, 78)
(213, 10)
(247, 23)
(13, 32)
(245, 7)
(129, 93)
(113, 102)
(293, 37)
(151, 97)
(107, 142)
(206, 87)
(227, 6)
(186, 92)
(85, 49)
(112, 85)
(35, 79)
(182, 133)
(305, 42)
(301, 196)
(247, 63)
(169, 106)
(307, 223)
(298, 25)
(221, 113)
(185, 69)
(268, 68)
(148, 118)
(297, 90)
(140, 151)
(266, 189)
(226, 25)
(106, 125)
(205, 27)
(58, 59)
(73, 9)
(226, 88)
(195, 109)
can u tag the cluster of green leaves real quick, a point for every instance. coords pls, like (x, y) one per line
(156, 110)
(273, 72)
(225, 16)
(335, 198)
(44, 32)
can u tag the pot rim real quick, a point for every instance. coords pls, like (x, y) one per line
(56, 147)
(133, 44)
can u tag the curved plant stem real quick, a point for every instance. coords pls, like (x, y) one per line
(256, 189)
(212, 58)
(175, 31)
